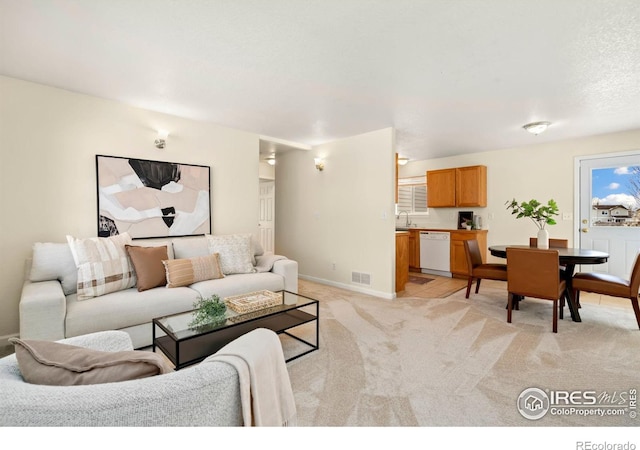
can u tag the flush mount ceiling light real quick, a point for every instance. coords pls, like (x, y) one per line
(161, 139)
(271, 160)
(402, 160)
(536, 127)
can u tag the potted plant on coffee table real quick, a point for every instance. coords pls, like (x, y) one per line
(541, 215)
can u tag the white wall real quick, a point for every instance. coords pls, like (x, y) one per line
(541, 171)
(48, 141)
(342, 215)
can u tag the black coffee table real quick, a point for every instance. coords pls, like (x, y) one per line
(185, 345)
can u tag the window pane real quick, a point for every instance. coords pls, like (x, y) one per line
(420, 199)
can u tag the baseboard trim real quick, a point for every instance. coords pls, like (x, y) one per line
(4, 340)
(349, 287)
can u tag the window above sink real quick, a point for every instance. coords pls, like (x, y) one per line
(412, 195)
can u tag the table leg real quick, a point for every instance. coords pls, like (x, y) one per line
(573, 307)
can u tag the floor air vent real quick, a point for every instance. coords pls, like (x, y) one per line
(361, 278)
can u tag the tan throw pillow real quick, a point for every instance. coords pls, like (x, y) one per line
(147, 262)
(183, 272)
(103, 265)
(56, 364)
(236, 252)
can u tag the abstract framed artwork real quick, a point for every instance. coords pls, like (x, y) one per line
(152, 199)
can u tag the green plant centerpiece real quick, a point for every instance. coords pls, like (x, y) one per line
(541, 215)
(210, 310)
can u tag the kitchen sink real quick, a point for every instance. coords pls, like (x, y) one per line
(402, 229)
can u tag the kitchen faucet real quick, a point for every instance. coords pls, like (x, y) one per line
(408, 222)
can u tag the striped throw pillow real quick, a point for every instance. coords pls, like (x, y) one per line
(186, 271)
(103, 265)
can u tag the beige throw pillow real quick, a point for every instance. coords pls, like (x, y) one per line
(147, 262)
(183, 272)
(103, 265)
(56, 364)
(236, 252)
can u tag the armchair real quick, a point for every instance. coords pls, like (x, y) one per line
(207, 394)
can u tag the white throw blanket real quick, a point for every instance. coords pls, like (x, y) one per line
(264, 263)
(265, 388)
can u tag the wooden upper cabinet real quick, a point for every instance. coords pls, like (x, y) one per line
(460, 186)
(471, 186)
(441, 188)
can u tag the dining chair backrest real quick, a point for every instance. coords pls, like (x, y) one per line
(553, 243)
(634, 281)
(533, 273)
(472, 251)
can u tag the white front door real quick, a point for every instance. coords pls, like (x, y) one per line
(267, 215)
(609, 211)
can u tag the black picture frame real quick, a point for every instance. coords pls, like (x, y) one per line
(152, 199)
(463, 216)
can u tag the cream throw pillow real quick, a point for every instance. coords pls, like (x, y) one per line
(236, 252)
(183, 272)
(103, 265)
(56, 364)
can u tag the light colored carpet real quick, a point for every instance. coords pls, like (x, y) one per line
(456, 362)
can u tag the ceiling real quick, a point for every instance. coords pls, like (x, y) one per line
(452, 77)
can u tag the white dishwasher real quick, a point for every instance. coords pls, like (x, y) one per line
(435, 253)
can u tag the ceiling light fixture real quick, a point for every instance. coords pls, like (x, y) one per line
(271, 160)
(536, 127)
(161, 139)
(402, 160)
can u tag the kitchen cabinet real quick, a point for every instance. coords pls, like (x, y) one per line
(458, 256)
(402, 260)
(441, 188)
(457, 187)
(471, 186)
(414, 250)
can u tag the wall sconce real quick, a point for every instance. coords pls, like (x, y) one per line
(161, 139)
(271, 160)
(536, 127)
(402, 161)
(319, 164)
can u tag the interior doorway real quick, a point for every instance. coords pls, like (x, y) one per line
(608, 212)
(266, 223)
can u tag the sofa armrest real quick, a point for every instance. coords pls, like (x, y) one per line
(288, 268)
(105, 341)
(43, 309)
(203, 395)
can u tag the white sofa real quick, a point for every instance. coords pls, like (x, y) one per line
(49, 308)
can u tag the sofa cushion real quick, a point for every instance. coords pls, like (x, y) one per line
(103, 265)
(54, 261)
(236, 252)
(57, 364)
(183, 272)
(239, 284)
(190, 247)
(125, 309)
(147, 262)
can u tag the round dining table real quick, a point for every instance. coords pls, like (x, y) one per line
(569, 257)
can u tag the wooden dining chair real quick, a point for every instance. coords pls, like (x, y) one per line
(478, 269)
(553, 243)
(605, 284)
(534, 273)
